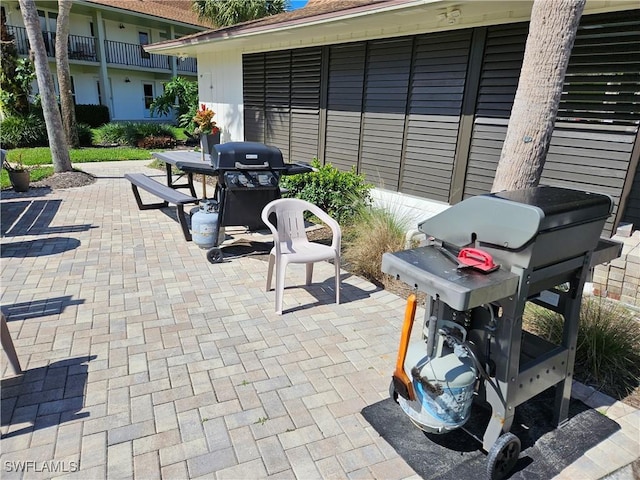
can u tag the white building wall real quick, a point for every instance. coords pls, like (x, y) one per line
(220, 88)
(128, 97)
(85, 88)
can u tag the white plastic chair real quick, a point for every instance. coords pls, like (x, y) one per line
(291, 245)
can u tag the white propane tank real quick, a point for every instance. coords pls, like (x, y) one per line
(203, 225)
(445, 394)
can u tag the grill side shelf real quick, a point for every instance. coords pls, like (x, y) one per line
(427, 270)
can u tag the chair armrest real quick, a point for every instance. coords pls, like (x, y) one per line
(331, 223)
(266, 212)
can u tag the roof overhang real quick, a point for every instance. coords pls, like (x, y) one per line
(384, 19)
(129, 16)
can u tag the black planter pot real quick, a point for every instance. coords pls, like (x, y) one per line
(208, 140)
(20, 180)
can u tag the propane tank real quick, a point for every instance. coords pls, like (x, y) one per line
(443, 383)
(204, 221)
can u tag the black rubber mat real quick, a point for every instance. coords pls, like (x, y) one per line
(546, 450)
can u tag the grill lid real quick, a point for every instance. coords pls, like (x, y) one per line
(514, 218)
(246, 156)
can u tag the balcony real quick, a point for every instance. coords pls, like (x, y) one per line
(117, 53)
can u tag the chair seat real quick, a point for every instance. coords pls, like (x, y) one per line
(303, 252)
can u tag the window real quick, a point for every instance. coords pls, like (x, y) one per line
(48, 28)
(73, 90)
(99, 92)
(91, 29)
(148, 95)
(56, 87)
(143, 39)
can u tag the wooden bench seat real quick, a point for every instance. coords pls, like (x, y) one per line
(167, 194)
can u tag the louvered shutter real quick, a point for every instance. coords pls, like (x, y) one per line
(253, 94)
(305, 103)
(277, 100)
(599, 111)
(385, 103)
(502, 62)
(437, 87)
(344, 105)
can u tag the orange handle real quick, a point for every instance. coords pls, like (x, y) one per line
(409, 316)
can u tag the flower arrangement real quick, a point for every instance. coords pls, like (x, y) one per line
(204, 121)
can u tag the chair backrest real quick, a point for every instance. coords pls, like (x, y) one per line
(289, 214)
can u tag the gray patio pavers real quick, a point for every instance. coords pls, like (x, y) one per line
(142, 360)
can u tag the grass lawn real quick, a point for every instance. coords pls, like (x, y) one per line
(39, 159)
(42, 155)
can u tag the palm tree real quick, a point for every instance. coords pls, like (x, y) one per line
(552, 32)
(57, 142)
(224, 13)
(64, 77)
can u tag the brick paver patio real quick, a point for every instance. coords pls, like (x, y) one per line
(142, 360)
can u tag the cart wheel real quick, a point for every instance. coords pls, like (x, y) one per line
(392, 392)
(503, 456)
(214, 255)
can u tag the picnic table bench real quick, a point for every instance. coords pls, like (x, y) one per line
(169, 193)
(166, 193)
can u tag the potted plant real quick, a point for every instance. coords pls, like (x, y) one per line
(207, 129)
(19, 175)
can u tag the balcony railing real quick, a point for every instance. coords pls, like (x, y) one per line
(129, 54)
(117, 53)
(187, 65)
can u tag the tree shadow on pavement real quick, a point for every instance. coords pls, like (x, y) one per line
(44, 396)
(38, 308)
(34, 217)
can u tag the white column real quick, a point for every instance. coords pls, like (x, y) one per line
(174, 60)
(102, 58)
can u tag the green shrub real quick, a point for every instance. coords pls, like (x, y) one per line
(85, 135)
(608, 347)
(116, 134)
(23, 131)
(153, 130)
(375, 231)
(130, 133)
(340, 194)
(180, 97)
(93, 115)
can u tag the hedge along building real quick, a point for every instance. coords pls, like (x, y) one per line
(417, 94)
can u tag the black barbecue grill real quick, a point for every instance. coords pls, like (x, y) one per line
(248, 177)
(535, 245)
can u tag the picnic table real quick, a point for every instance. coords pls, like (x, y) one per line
(170, 160)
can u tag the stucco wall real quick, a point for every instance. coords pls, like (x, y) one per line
(220, 88)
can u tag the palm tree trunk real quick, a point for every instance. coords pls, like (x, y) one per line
(64, 77)
(552, 32)
(57, 143)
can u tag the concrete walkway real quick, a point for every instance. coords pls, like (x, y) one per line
(142, 360)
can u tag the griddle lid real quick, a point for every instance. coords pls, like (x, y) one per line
(507, 224)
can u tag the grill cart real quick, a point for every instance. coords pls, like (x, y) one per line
(485, 258)
(248, 177)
